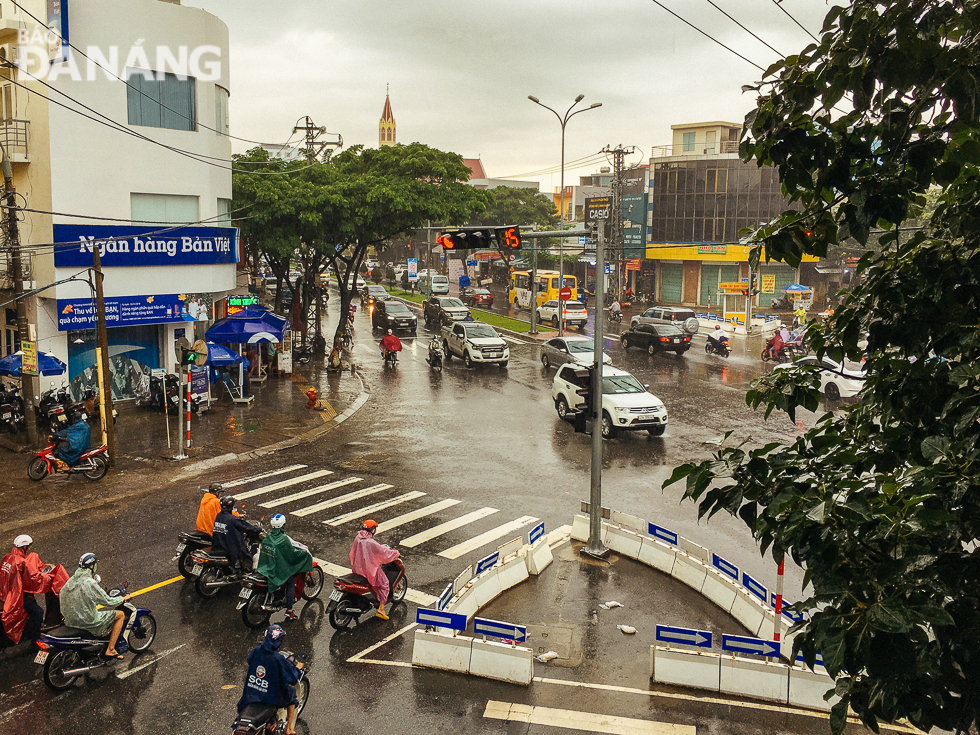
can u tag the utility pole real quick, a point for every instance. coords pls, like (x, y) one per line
(616, 235)
(594, 547)
(102, 363)
(23, 328)
(315, 146)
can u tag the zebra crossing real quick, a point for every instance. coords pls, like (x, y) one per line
(333, 501)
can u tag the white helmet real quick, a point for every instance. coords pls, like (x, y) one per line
(278, 521)
(23, 541)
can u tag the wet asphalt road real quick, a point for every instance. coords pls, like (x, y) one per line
(487, 438)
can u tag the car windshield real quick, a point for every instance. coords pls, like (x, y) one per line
(577, 346)
(574, 305)
(452, 302)
(622, 384)
(396, 307)
(376, 289)
(481, 332)
(480, 292)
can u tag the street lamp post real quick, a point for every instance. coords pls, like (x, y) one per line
(561, 241)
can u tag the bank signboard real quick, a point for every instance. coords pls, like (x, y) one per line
(634, 225)
(127, 245)
(125, 311)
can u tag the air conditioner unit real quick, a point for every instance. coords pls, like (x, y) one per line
(8, 53)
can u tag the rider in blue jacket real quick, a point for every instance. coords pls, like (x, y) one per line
(229, 534)
(271, 677)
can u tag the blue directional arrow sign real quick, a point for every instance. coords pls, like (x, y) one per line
(498, 629)
(662, 533)
(536, 533)
(454, 621)
(446, 596)
(747, 644)
(486, 562)
(686, 636)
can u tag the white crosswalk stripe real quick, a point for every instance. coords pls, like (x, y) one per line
(319, 490)
(416, 514)
(285, 483)
(340, 499)
(371, 509)
(263, 476)
(420, 538)
(514, 341)
(454, 552)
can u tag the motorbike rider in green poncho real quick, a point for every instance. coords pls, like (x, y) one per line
(281, 559)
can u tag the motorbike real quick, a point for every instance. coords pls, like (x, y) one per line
(303, 353)
(352, 595)
(258, 603)
(436, 354)
(93, 464)
(265, 719)
(717, 347)
(390, 358)
(12, 411)
(67, 653)
(54, 409)
(187, 543)
(214, 570)
(616, 316)
(769, 352)
(90, 407)
(162, 390)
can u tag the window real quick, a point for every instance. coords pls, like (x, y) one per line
(8, 102)
(167, 102)
(221, 110)
(688, 141)
(224, 213)
(170, 208)
(709, 142)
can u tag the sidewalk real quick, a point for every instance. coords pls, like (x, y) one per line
(276, 419)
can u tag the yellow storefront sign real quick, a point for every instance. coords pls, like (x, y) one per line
(769, 283)
(28, 358)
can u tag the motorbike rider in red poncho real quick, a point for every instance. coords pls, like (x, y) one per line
(390, 343)
(22, 575)
(366, 558)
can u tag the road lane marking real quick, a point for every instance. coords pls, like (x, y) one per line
(711, 700)
(361, 654)
(312, 491)
(263, 476)
(148, 662)
(413, 595)
(416, 514)
(156, 586)
(341, 499)
(371, 509)
(454, 552)
(577, 720)
(280, 485)
(420, 538)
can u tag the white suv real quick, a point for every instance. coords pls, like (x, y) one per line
(626, 404)
(574, 313)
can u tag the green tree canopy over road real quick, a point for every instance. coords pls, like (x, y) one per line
(510, 205)
(880, 502)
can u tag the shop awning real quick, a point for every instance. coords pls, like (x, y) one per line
(47, 364)
(221, 356)
(251, 325)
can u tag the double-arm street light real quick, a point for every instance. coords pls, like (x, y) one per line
(561, 249)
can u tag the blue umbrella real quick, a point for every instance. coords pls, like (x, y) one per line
(248, 326)
(221, 356)
(797, 288)
(47, 364)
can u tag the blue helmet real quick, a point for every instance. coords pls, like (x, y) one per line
(274, 635)
(88, 560)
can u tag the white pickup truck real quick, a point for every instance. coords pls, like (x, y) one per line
(474, 342)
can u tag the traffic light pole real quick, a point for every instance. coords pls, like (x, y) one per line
(594, 546)
(102, 362)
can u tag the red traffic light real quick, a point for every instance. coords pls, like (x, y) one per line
(448, 241)
(509, 238)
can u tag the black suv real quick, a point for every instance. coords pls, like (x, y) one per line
(394, 315)
(656, 338)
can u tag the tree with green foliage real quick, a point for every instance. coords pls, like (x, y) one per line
(880, 501)
(377, 275)
(511, 205)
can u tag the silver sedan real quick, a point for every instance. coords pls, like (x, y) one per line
(559, 350)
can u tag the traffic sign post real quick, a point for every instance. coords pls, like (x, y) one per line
(498, 629)
(440, 619)
(684, 636)
(565, 294)
(748, 644)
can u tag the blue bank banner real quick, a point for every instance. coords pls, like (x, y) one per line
(125, 311)
(127, 245)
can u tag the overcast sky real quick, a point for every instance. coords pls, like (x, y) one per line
(460, 71)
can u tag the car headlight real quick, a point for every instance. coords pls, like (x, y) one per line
(391, 318)
(622, 409)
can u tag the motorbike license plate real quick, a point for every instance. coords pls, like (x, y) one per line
(245, 593)
(336, 595)
(41, 657)
(196, 571)
(181, 547)
(6, 416)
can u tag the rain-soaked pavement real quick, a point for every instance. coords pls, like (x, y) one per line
(484, 443)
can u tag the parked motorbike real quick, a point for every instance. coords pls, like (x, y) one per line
(93, 464)
(717, 347)
(303, 353)
(187, 543)
(265, 719)
(90, 407)
(390, 358)
(67, 653)
(352, 595)
(12, 411)
(54, 409)
(436, 354)
(258, 603)
(215, 570)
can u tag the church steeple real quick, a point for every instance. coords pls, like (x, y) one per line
(386, 128)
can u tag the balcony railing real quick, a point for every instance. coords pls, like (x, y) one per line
(14, 138)
(701, 149)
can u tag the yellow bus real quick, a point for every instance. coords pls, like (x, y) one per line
(548, 287)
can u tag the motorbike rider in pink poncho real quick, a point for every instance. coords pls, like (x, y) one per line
(366, 558)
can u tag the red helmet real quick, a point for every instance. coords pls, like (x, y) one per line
(370, 525)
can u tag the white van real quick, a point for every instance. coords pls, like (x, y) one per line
(433, 284)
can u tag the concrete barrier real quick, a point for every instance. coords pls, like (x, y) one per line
(580, 527)
(500, 661)
(625, 520)
(512, 572)
(690, 571)
(441, 651)
(462, 578)
(751, 613)
(694, 550)
(486, 587)
(685, 668)
(538, 556)
(720, 589)
(753, 678)
(465, 603)
(621, 540)
(806, 688)
(511, 547)
(657, 554)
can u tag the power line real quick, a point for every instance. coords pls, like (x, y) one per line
(764, 43)
(708, 35)
(579, 162)
(777, 4)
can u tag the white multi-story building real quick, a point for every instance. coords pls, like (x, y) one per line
(144, 173)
